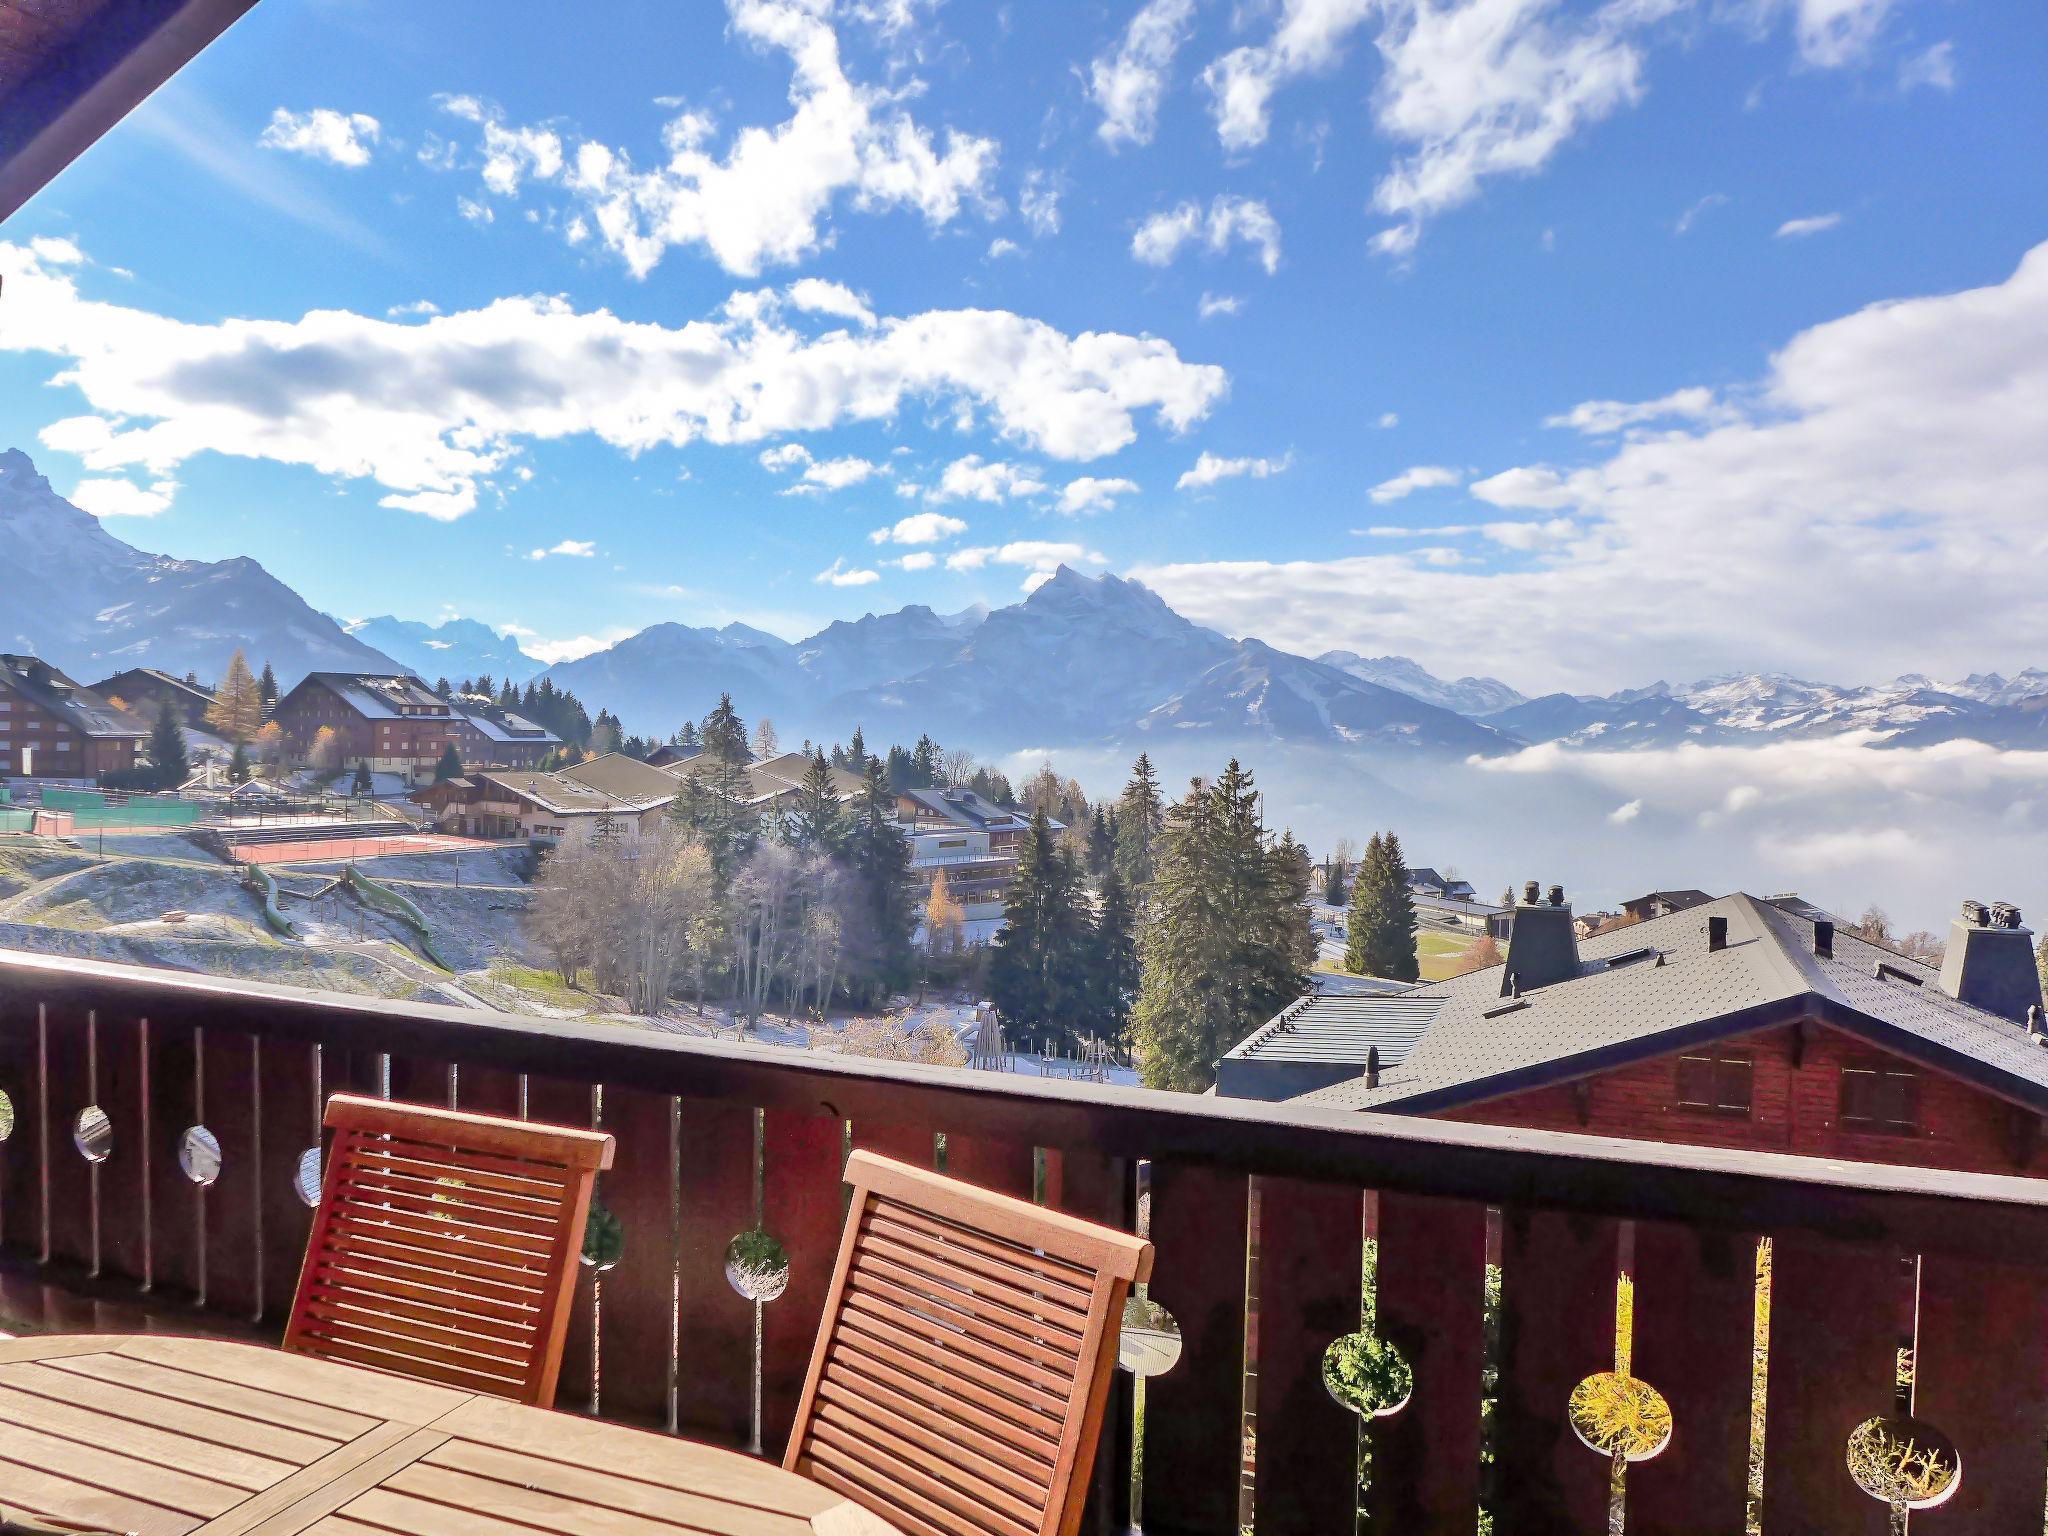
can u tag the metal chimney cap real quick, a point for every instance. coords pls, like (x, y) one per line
(1557, 895)
(2005, 915)
(1976, 912)
(1529, 890)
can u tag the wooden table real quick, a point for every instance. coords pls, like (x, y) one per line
(163, 1436)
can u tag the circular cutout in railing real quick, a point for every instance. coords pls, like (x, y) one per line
(1620, 1415)
(199, 1156)
(1368, 1375)
(6, 1115)
(306, 1177)
(1906, 1463)
(93, 1134)
(604, 1239)
(1148, 1344)
(757, 1265)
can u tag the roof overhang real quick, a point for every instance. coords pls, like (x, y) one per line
(71, 69)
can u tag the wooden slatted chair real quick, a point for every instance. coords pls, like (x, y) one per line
(446, 1246)
(963, 1364)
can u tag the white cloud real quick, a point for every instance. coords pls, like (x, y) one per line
(1422, 477)
(1933, 67)
(1492, 87)
(1389, 419)
(1039, 201)
(1003, 246)
(416, 307)
(572, 648)
(919, 528)
(1209, 469)
(839, 574)
(1037, 554)
(764, 201)
(819, 475)
(1160, 238)
(340, 138)
(1799, 229)
(1127, 84)
(820, 297)
(123, 498)
(1214, 304)
(1307, 39)
(785, 456)
(581, 549)
(1861, 513)
(1626, 812)
(1088, 494)
(1698, 210)
(919, 560)
(1601, 417)
(431, 409)
(57, 251)
(1832, 33)
(974, 479)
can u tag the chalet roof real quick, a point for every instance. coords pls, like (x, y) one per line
(1656, 987)
(497, 724)
(379, 696)
(626, 778)
(1676, 900)
(80, 708)
(199, 693)
(1343, 1027)
(771, 778)
(559, 795)
(965, 808)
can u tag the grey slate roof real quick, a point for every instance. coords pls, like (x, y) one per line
(1339, 1026)
(378, 696)
(80, 708)
(1628, 1005)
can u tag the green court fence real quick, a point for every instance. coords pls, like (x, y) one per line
(95, 810)
(13, 819)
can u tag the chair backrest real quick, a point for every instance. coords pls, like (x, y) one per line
(446, 1246)
(964, 1359)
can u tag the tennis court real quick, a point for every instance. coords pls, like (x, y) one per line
(331, 849)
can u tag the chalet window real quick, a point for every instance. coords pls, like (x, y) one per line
(1717, 1083)
(1880, 1099)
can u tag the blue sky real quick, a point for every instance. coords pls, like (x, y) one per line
(1532, 339)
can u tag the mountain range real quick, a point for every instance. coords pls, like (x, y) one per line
(1081, 661)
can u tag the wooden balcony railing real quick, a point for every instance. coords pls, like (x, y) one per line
(158, 1126)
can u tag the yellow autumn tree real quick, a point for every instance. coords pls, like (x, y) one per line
(943, 918)
(237, 708)
(326, 749)
(270, 744)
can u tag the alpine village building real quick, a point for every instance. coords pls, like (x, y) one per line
(398, 725)
(1740, 1022)
(144, 691)
(52, 728)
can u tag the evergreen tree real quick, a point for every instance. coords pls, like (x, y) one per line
(1225, 942)
(450, 766)
(1113, 969)
(1101, 847)
(166, 750)
(443, 688)
(857, 753)
(605, 734)
(1381, 940)
(484, 686)
(508, 696)
(266, 687)
(898, 768)
(238, 765)
(686, 738)
(924, 763)
(1140, 815)
(878, 858)
(364, 786)
(1333, 882)
(817, 823)
(237, 708)
(1039, 971)
(715, 793)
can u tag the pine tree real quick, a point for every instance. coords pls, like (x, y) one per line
(686, 738)
(878, 857)
(238, 765)
(450, 766)
(1038, 974)
(1225, 941)
(1113, 969)
(508, 696)
(1333, 883)
(1101, 847)
(443, 688)
(484, 686)
(166, 748)
(714, 803)
(924, 763)
(1140, 814)
(857, 753)
(1381, 941)
(266, 687)
(817, 823)
(364, 786)
(237, 708)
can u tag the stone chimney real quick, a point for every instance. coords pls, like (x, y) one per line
(1990, 961)
(1542, 946)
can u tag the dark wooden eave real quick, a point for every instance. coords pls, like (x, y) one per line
(71, 69)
